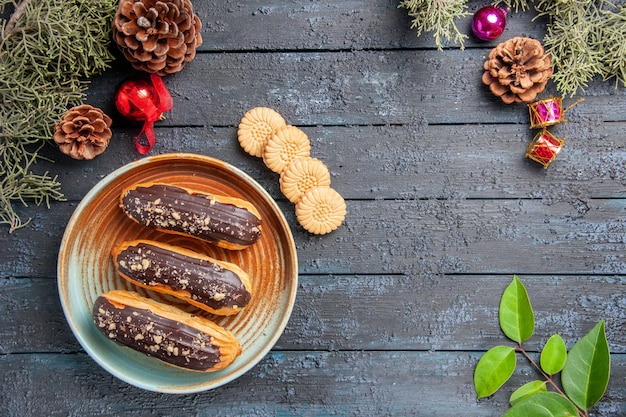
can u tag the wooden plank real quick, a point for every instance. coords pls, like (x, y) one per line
(347, 88)
(563, 235)
(472, 236)
(399, 162)
(283, 383)
(440, 313)
(331, 25)
(33, 318)
(372, 312)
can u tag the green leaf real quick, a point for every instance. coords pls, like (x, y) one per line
(517, 319)
(553, 355)
(494, 368)
(543, 404)
(586, 373)
(526, 390)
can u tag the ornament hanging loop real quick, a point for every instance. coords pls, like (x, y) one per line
(580, 100)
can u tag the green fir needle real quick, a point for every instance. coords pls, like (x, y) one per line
(47, 51)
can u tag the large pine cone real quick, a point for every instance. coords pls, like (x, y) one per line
(157, 36)
(517, 70)
(83, 132)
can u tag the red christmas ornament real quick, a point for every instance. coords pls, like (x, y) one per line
(489, 22)
(544, 148)
(143, 100)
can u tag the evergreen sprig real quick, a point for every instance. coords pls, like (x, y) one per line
(437, 17)
(516, 5)
(585, 39)
(48, 49)
(574, 40)
(614, 32)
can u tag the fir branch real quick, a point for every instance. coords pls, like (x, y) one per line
(517, 5)
(19, 183)
(438, 17)
(572, 40)
(17, 14)
(614, 34)
(47, 50)
(555, 9)
(585, 39)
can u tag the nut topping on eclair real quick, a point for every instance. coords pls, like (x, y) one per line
(229, 222)
(164, 332)
(218, 287)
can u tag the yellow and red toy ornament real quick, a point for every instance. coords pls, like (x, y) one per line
(545, 147)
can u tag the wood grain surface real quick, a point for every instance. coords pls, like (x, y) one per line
(396, 306)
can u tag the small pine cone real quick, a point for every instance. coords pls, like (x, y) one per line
(84, 132)
(517, 70)
(157, 36)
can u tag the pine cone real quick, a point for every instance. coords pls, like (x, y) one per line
(517, 70)
(83, 132)
(157, 36)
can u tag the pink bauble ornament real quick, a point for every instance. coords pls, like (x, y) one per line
(489, 22)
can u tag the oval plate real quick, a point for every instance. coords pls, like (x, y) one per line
(86, 270)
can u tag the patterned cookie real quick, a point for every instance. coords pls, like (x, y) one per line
(285, 145)
(301, 175)
(321, 210)
(256, 128)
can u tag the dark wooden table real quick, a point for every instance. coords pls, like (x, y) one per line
(395, 307)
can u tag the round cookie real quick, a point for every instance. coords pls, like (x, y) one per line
(321, 210)
(256, 128)
(301, 175)
(286, 144)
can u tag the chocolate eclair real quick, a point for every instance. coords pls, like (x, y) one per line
(164, 332)
(217, 287)
(228, 222)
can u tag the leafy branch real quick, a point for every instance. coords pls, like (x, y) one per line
(47, 51)
(584, 370)
(438, 17)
